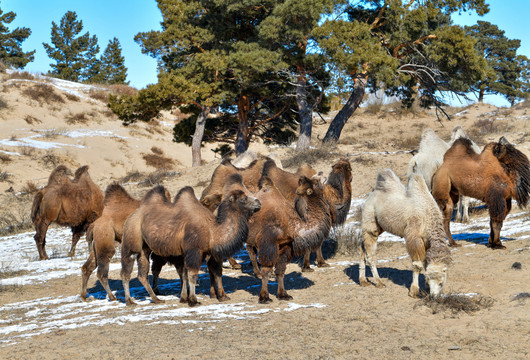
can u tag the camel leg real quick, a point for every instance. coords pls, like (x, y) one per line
(253, 259)
(183, 274)
(306, 267)
(156, 268)
(498, 209)
(143, 274)
(88, 267)
(320, 258)
(40, 239)
(368, 250)
(127, 264)
(77, 232)
(463, 209)
(447, 211)
(281, 265)
(235, 265)
(264, 293)
(193, 276)
(103, 262)
(215, 268)
(417, 267)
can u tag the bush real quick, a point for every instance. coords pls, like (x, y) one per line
(5, 158)
(22, 75)
(43, 93)
(3, 104)
(79, 118)
(311, 156)
(100, 95)
(158, 161)
(32, 120)
(72, 97)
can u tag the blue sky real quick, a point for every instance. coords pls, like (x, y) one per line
(125, 18)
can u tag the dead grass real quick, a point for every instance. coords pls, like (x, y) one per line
(5, 177)
(30, 187)
(52, 133)
(79, 118)
(43, 94)
(27, 150)
(100, 95)
(407, 143)
(363, 160)
(158, 161)
(157, 150)
(3, 104)
(132, 176)
(122, 89)
(347, 240)
(5, 158)
(296, 158)
(15, 221)
(31, 120)
(22, 75)
(72, 97)
(50, 160)
(456, 303)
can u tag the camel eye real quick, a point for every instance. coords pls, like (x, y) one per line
(243, 200)
(309, 191)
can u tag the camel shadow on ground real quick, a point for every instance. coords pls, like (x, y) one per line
(397, 276)
(477, 238)
(244, 280)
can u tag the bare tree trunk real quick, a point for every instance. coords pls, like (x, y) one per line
(335, 128)
(481, 93)
(242, 138)
(196, 141)
(305, 114)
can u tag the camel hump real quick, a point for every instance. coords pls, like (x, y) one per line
(115, 189)
(58, 174)
(386, 180)
(234, 179)
(187, 190)
(268, 167)
(416, 182)
(246, 159)
(79, 172)
(457, 133)
(157, 191)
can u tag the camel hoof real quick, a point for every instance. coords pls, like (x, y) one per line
(223, 298)
(380, 284)
(183, 300)
(264, 300)
(130, 303)
(364, 283)
(156, 291)
(307, 269)
(71, 254)
(323, 265)
(236, 266)
(83, 297)
(285, 297)
(414, 292)
(257, 275)
(158, 301)
(193, 303)
(497, 246)
(44, 258)
(112, 297)
(454, 244)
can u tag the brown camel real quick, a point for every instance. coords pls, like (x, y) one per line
(278, 231)
(104, 233)
(496, 176)
(337, 192)
(188, 229)
(75, 203)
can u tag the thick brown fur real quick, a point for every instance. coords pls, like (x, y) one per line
(104, 233)
(188, 229)
(278, 232)
(496, 176)
(75, 203)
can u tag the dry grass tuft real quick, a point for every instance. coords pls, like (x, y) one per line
(31, 120)
(100, 95)
(296, 158)
(157, 150)
(43, 94)
(79, 118)
(347, 240)
(122, 89)
(132, 176)
(5, 158)
(456, 303)
(158, 161)
(72, 97)
(4, 177)
(3, 68)
(16, 221)
(3, 104)
(363, 160)
(22, 75)
(30, 187)
(407, 142)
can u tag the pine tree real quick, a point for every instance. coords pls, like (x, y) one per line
(11, 42)
(92, 66)
(74, 54)
(501, 56)
(113, 64)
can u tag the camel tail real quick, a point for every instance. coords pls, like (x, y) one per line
(36, 205)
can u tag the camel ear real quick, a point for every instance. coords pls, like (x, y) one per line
(309, 191)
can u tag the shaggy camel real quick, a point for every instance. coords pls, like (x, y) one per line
(336, 191)
(188, 229)
(411, 213)
(75, 203)
(103, 234)
(278, 230)
(430, 157)
(497, 175)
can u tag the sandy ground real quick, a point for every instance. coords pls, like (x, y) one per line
(330, 316)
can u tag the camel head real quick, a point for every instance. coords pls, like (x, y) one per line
(343, 166)
(435, 277)
(211, 201)
(245, 204)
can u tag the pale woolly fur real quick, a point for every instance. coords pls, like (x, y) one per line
(430, 157)
(411, 213)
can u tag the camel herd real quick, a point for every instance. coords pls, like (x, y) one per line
(278, 215)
